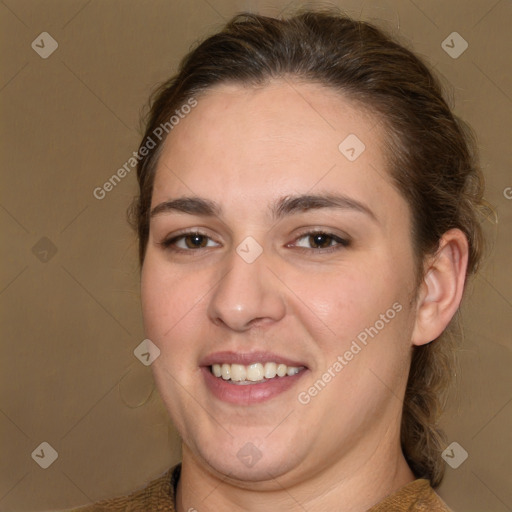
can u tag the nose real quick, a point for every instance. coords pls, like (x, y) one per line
(248, 295)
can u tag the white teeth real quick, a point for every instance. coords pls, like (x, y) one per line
(226, 371)
(270, 370)
(238, 372)
(255, 372)
(281, 370)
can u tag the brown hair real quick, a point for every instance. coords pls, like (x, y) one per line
(430, 153)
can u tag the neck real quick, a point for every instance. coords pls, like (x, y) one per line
(357, 485)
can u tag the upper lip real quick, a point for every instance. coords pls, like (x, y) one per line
(247, 358)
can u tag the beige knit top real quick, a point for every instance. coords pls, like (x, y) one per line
(159, 496)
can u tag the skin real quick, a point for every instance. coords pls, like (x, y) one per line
(246, 148)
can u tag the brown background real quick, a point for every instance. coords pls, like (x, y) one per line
(72, 319)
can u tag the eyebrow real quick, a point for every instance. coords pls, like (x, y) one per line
(296, 204)
(190, 205)
(287, 205)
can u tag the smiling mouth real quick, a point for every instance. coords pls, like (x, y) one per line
(253, 373)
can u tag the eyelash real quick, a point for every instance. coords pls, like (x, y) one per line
(340, 243)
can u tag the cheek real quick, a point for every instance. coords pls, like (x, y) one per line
(172, 310)
(345, 300)
(361, 311)
(168, 299)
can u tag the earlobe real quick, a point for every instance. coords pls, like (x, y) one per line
(442, 288)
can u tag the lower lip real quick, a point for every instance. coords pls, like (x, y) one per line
(248, 394)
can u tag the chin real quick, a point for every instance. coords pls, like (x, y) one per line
(247, 462)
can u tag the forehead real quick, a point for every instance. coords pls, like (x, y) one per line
(265, 142)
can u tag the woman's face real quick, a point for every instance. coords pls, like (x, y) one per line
(287, 245)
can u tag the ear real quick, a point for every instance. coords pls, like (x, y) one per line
(441, 290)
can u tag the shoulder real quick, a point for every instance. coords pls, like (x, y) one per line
(417, 496)
(157, 495)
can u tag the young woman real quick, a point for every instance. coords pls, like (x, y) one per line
(307, 221)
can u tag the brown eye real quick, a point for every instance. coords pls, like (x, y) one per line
(189, 241)
(320, 240)
(195, 241)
